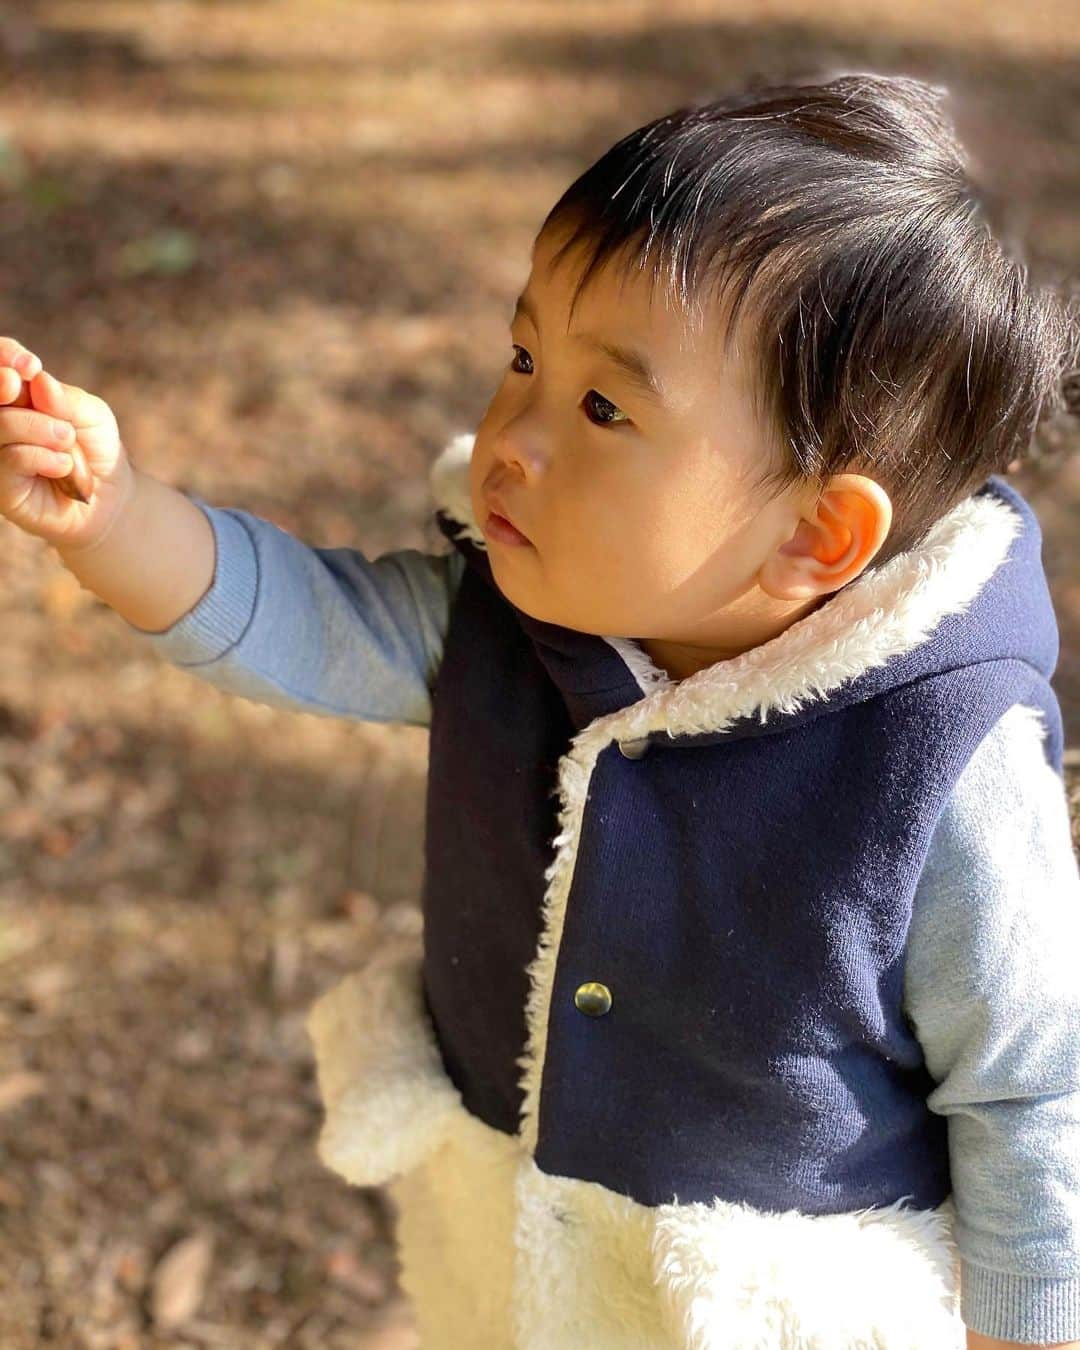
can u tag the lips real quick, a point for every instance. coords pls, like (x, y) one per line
(495, 503)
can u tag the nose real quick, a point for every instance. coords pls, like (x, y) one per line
(519, 446)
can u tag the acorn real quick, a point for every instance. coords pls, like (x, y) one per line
(79, 484)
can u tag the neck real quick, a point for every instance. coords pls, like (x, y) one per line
(681, 659)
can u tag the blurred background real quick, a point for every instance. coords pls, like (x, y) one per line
(282, 240)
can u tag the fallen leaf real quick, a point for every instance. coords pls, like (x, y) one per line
(179, 1280)
(15, 1088)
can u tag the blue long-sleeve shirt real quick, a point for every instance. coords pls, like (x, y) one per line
(991, 983)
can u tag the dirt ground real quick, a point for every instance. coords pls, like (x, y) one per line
(282, 241)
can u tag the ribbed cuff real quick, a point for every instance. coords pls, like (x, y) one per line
(219, 620)
(1030, 1309)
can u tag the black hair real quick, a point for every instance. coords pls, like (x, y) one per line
(889, 332)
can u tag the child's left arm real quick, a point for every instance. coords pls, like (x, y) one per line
(992, 989)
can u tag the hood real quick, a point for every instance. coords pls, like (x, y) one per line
(974, 590)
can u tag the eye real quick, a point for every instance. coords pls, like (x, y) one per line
(604, 420)
(512, 367)
(605, 408)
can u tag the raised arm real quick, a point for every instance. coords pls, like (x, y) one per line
(154, 561)
(230, 597)
(248, 607)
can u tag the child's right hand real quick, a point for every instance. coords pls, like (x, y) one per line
(34, 457)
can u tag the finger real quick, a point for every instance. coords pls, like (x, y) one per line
(47, 394)
(28, 461)
(14, 390)
(68, 401)
(14, 355)
(34, 428)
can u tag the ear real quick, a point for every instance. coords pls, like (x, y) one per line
(835, 540)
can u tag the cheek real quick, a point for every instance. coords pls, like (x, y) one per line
(667, 536)
(675, 540)
(620, 544)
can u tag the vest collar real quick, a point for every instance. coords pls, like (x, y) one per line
(885, 614)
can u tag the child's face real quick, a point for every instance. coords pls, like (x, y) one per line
(638, 509)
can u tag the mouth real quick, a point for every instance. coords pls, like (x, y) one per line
(502, 531)
(498, 524)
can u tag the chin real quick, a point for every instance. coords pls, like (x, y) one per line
(505, 584)
(519, 598)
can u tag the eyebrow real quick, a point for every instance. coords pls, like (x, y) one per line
(631, 362)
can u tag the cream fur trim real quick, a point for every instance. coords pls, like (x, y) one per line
(496, 1253)
(456, 1218)
(387, 1098)
(878, 616)
(449, 479)
(881, 1277)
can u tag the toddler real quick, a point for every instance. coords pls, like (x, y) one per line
(741, 1009)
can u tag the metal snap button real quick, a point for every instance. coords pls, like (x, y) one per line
(593, 998)
(634, 749)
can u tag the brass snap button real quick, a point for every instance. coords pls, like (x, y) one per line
(592, 998)
(636, 748)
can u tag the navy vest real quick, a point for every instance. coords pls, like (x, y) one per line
(745, 894)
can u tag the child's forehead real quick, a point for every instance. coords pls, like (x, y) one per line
(636, 309)
(636, 292)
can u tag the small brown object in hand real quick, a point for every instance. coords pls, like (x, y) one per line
(79, 484)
